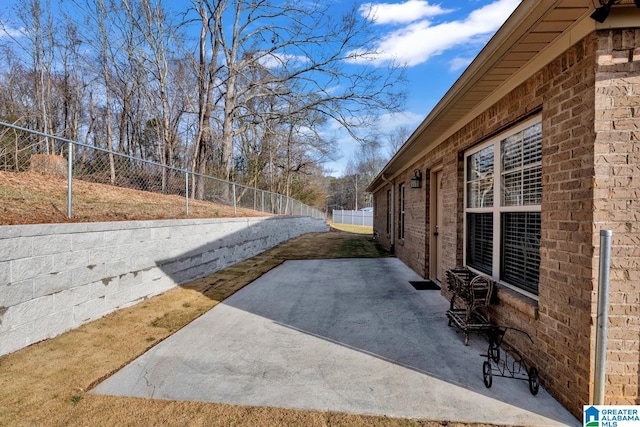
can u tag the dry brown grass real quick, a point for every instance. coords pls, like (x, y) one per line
(47, 384)
(36, 198)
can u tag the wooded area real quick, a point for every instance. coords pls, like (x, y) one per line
(237, 89)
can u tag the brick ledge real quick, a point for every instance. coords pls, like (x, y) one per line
(516, 300)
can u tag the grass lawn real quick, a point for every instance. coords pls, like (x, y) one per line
(357, 229)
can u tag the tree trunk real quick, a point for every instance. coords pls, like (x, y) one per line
(107, 85)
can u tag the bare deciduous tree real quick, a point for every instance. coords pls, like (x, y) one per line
(396, 138)
(312, 60)
(36, 40)
(98, 12)
(242, 89)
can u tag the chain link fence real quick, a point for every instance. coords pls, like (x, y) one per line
(24, 149)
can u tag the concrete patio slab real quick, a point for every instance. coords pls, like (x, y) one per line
(348, 335)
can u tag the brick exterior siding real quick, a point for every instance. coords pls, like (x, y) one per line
(617, 203)
(563, 330)
(591, 181)
(412, 248)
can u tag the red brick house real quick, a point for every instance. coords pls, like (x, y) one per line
(531, 153)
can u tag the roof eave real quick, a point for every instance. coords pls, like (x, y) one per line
(520, 23)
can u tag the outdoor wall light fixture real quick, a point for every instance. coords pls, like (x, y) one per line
(416, 179)
(601, 13)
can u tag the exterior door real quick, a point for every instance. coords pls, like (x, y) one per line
(436, 239)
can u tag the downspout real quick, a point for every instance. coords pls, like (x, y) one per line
(393, 215)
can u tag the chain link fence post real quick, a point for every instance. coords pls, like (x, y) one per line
(69, 180)
(186, 192)
(235, 207)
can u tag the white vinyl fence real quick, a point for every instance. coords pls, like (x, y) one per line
(353, 217)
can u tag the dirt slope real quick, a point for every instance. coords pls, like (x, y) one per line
(36, 198)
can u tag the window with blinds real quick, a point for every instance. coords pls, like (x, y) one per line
(503, 186)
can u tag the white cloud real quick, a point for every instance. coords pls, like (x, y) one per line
(388, 122)
(6, 31)
(276, 60)
(418, 41)
(459, 63)
(400, 13)
(383, 123)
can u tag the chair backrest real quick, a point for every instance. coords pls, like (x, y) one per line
(481, 291)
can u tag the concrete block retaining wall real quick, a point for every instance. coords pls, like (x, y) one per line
(56, 277)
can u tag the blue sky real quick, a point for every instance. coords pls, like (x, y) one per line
(435, 39)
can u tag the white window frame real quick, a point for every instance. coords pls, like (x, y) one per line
(497, 209)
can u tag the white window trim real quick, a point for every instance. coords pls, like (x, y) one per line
(497, 200)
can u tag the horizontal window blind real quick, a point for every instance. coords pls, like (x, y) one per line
(521, 156)
(521, 249)
(480, 241)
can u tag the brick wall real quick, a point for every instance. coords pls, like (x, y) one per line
(617, 203)
(561, 321)
(566, 245)
(412, 249)
(381, 204)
